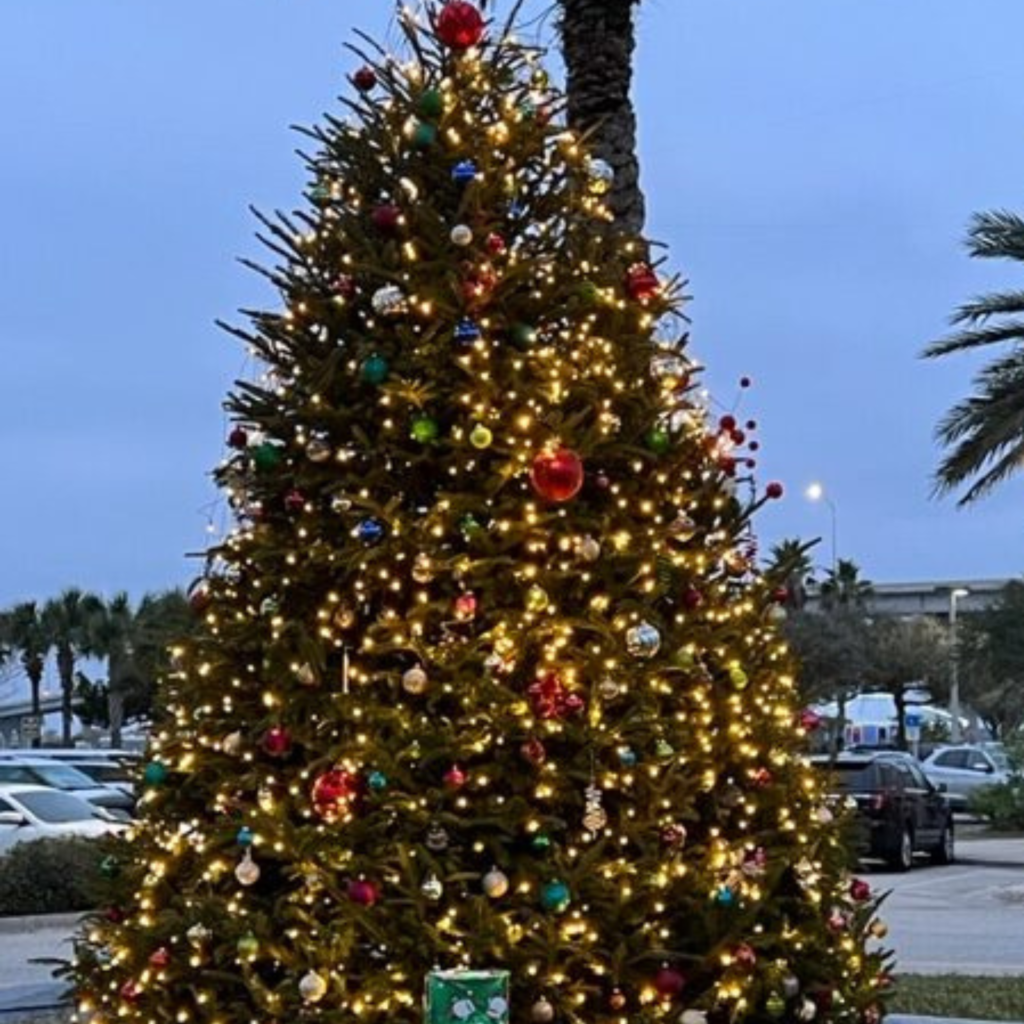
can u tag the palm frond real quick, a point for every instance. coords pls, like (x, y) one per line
(963, 341)
(996, 234)
(983, 307)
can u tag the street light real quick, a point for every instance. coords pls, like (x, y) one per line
(816, 492)
(954, 664)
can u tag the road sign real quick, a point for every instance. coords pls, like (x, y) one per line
(914, 719)
(30, 727)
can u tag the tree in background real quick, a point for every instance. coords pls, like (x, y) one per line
(790, 566)
(984, 435)
(66, 622)
(488, 698)
(24, 631)
(843, 587)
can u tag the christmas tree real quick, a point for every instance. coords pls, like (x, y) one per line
(488, 704)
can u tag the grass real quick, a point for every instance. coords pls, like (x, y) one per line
(958, 995)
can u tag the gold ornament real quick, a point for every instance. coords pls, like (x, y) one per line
(415, 681)
(495, 883)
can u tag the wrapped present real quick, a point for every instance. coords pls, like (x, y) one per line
(467, 997)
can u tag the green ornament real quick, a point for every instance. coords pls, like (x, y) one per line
(555, 896)
(266, 457)
(588, 292)
(155, 773)
(528, 110)
(685, 658)
(248, 946)
(537, 599)
(541, 842)
(469, 524)
(775, 1004)
(431, 104)
(663, 749)
(523, 335)
(424, 429)
(738, 677)
(110, 867)
(424, 135)
(481, 436)
(374, 369)
(658, 440)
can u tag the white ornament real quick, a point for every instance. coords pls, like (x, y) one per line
(643, 641)
(542, 1011)
(415, 681)
(248, 871)
(312, 987)
(463, 1008)
(232, 743)
(388, 301)
(588, 548)
(462, 234)
(806, 1011)
(600, 176)
(198, 935)
(495, 883)
(432, 888)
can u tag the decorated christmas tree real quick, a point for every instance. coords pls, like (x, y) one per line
(488, 719)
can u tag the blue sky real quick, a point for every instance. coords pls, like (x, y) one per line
(812, 166)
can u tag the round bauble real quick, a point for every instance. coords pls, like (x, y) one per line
(155, 773)
(522, 335)
(557, 474)
(682, 528)
(365, 79)
(312, 987)
(464, 172)
(244, 836)
(415, 681)
(294, 501)
(424, 429)
(673, 836)
(642, 283)
(668, 982)
(790, 985)
(533, 751)
(774, 490)
(238, 438)
(806, 1011)
(617, 999)
(231, 744)
(693, 1017)
(495, 883)
(277, 741)
(386, 218)
(318, 450)
(536, 599)
(658, 440)
(600, 177)
(198, 935)
(461, 235)
(643, 640)
(130, 991)
(248, 871)
(455, 777)
(424, 135)
(436, 839)
(388, 301)
(587, 548)
(377, 781)
(466, 332)
(496, 244)
(555, 896)
(466, 606)
(860, 890)
(334, 792)
(266, 457)
(160, 957)
(542, 1011)
(432, 888)
(459, 25)
(431, 103)
(481, 436)
(248, 946)
(370, 531)
(775, 1005)
(422, 568)
(362, 892)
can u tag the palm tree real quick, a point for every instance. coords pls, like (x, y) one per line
(23, 632)
(984, 434)
(66, 620)
(111, 632)
(843, 586)
(598, 41)
(789, 563)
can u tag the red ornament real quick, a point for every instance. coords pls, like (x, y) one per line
(673, 836)
(761, 777)
(616, 999)
(478, 283)
(363, 892)
(334, 792)
(773, 490)
(495, 244)
(345, 286)
(365, 79)
(533, 751)
(238, 438)
(557, 475)
(199, 597)
(466, 606)
(872, 1015)
(455, 777)
(727, 423)
(668, 982)
(130, 991)
(294, 501)
(460, 25)
(755, 862)
(114, 915)
(385, 218)
(551, 699)
(642, 283)
(745, 956)
(160, 957)
(692, 598)
(602, 481)
(810, 720)
(837, 921)
(780, 595)
(277, 741)
(860, 890)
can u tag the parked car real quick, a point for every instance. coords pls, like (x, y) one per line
(966, 768)
(37, 812)
(899, 813)
(67, 778)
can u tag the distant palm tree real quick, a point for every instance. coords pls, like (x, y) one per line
(843, 586)
(790, 563)
(984, 434)
(66, 621)
(23, 632)
(598, 42)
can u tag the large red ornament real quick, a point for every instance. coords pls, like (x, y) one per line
(385, 218)
(460, 25)
(363, 892)
(860, 890)
(668, 982)
(557, 475)
(642, 283)
(551, 699)
(277, 741)
(334, 792)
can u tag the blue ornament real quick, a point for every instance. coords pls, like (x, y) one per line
(377, 781)
(627, 757)
(464, 172)
(555, 896)
(724, 896)
(370, 531)
(244, 836)
(516, 209)
(466, 332)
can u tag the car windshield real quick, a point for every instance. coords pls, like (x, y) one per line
(999, 759)
(54, 807)
(62, 776)
(853, 775)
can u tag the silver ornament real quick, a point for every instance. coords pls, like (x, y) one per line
(588, 549)
(643, 640)
(388, 301)
(415, 681)
(495, 883)
(437, 838)
(542, 1011)
(806, 1011)
(600, 176)
(305, 675)
(693, 1017)
(432, 888)
(595, 817)
(312, 987)
(462, 234)
(248, 871)
(198, 935)
(318, 450)
(790, 985)
(608, 688)
(232, 743)
(682, 528)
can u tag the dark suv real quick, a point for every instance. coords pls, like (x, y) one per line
(899, 812)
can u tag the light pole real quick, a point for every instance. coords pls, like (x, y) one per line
(954, 664)
(816, 492)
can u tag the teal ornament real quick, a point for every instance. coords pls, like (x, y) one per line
(424, 135)
(464, 172)
(724, 896)
(528, 110)
(266, 457)
(374, 369)
(541, 843)
(431, 104)
(244, 836)
(320, 193)
(424, 429)
(555, 896)
(377, 781)
(627, 757)
(658, 440)
(155, 773)
(523, 335)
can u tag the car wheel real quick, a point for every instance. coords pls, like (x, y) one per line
(944, 852)
(902, 856)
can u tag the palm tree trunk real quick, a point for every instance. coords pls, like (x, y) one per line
(34, 671)
(598, 41)
(66, 671)
(115, 697)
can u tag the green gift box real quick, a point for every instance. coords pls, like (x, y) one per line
(467, 997)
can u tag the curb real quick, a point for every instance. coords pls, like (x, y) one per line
(39, 922)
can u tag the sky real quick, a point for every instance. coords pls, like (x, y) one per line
(812, 167)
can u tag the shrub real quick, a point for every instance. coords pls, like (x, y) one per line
(50, 876)
(1002, 804)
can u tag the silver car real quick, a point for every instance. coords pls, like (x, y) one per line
(35, 812)
(965, 769)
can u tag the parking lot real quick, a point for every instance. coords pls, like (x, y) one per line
(967, 918)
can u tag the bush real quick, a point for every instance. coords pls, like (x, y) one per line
(50, 876)
(1003, 804)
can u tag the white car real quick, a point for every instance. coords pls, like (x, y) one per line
(965, 769)
(42, 771)
(36, 812)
